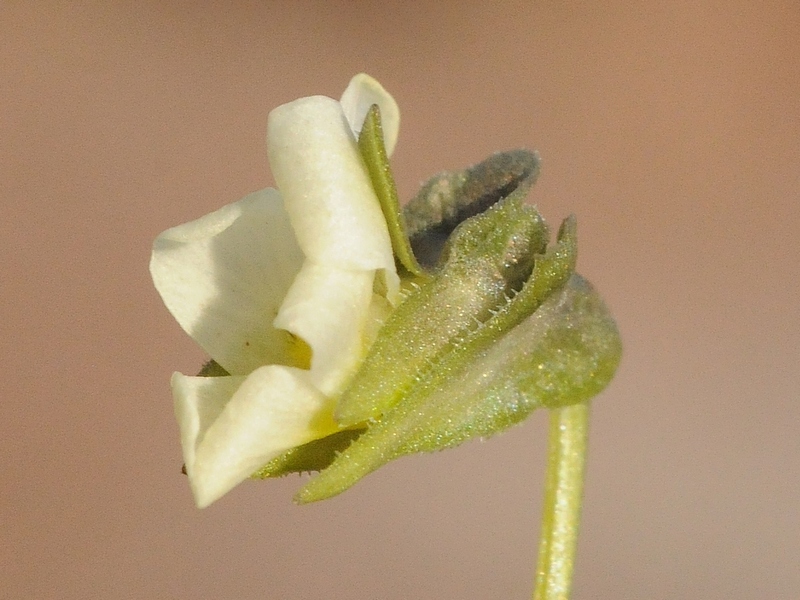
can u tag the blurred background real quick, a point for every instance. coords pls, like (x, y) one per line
(671, 129)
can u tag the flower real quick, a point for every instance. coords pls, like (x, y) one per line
(318, 365)
(284, 289)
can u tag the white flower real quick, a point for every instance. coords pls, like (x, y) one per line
(278, 279)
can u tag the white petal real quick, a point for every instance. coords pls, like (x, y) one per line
(364, 91)
(326, 188)
(379, 310)
(329, 308)
(198, 403)
(274, 409)
(224, 277)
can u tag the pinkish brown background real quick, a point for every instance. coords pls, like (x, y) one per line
(671, 129)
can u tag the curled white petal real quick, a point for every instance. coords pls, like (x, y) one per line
(224, 277)
(328, 193)
(329, 308)
(364, 91)
(232, 426)
(198, 403)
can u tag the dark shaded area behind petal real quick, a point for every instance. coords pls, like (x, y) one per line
(451, 197)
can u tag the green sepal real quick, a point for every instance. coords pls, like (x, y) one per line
(488, 259)
(373, 151)
(212, 369)
(313, 456)
(562, 354)
(451, 197)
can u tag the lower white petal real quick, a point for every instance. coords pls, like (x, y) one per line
(329, 308)
(198, 403)
(231, 426)
(224, 276)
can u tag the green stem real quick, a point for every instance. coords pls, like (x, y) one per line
(566, 462)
